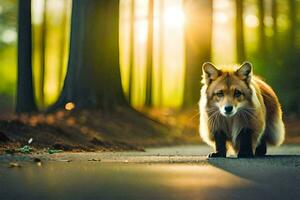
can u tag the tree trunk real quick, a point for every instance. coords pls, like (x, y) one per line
(198, 47)
(262, 38)
(148, 101)
(240, 42)
(93, 79)
(131, 54)
(25, 102)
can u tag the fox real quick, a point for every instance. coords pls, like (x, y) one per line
(238, 111)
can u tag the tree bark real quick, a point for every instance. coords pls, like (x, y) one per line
(198, 47)
(25, 102)
(93, 79)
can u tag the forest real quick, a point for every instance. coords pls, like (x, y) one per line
(125, 74)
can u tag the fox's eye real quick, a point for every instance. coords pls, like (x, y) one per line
(237, 93)
(220, 94)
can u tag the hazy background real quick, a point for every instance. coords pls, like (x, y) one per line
(270, 40)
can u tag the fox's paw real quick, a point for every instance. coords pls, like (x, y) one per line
(217, 155)
(245, 155)
(261, 149)
(259, 153)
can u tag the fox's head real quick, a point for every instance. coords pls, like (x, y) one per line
(228, 89)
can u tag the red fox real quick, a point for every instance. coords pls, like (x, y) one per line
(238, 110)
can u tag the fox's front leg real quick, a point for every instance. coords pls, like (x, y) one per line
(220, 144)
(261, 148)
(244, 140)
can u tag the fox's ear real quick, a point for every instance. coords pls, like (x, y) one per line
(210, 72)
(245, 71)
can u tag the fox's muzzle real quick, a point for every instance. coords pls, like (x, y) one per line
(228, 111)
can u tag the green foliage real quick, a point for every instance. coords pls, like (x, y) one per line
(8, 72)
(25, 149)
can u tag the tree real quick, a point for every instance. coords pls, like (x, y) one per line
(240, 42)
(93, 77)
(25, 101)
(198, 47)
(148, 101)
(262, 38)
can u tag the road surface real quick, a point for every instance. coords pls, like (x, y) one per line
(181, 172)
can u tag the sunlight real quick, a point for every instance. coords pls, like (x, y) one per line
(174, 16)
(251, 21)
(220, 18)
(168, 60)
(9, 36)
(268, 21)
(55, 46)
(70, 106)
(37, 11)
(58, 6)
(223, 36)
(222, 4)
(141, 29)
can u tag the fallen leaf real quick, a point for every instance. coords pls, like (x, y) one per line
(52, 151)
(13, 164)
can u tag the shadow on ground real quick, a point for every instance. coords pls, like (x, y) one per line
(276, 173)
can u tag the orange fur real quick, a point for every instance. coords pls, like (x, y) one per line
(274, 125)
(264, 117)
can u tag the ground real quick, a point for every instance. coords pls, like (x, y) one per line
(180, 172)
(88, 130)
(120, 130)
(118, 155)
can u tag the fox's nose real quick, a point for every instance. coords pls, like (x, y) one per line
(228, 109)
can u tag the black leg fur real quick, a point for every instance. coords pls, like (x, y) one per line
(220, 142)
(245, 142)
(261, 149)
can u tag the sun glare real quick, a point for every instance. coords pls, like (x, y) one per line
(70, 106)
(251, 21)
(141, 29)
(220, 18)
(38, 9)
(168, 56)
(174, 16)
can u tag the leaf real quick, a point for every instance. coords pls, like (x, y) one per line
(26, 149)
(52, 151)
